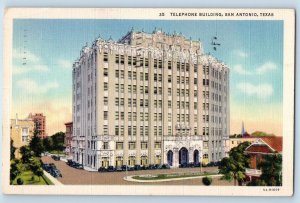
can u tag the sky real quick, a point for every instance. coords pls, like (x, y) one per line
(44, 50)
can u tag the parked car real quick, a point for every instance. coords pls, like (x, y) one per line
(151, 167)
(55, 173)
(165, 166)
(196, 164)
(191, 164)
(69, 162)
(137, 167)
(119, 168)
(130, 168)
(78, 166)
(183, 165)
(56, 158)
(102, 169)
(111, 169)
(158, 166)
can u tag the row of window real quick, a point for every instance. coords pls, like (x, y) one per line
(131, 145)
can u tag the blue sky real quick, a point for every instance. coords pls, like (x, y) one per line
(253, 50)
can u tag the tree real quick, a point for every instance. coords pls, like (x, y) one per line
(36, 144)
(35, 166)
(233, 167)
(47, 143)
(271, 168)
(26, 154)
(58, 140)
(14, 171)
(12, 150)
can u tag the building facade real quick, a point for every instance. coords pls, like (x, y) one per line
(257, 151)
(21, 131)
(68, 137)
(149, 99)
(41, 120)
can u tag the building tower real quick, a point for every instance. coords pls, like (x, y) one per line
(149, 99)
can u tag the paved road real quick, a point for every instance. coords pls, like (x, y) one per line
(72, 176)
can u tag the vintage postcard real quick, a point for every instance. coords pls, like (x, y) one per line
(165, 101)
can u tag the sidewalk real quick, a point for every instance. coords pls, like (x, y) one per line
(129, 178)
(52, 179)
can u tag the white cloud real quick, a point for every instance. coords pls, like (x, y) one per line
(32, 87)
(241, 70)
(263, 90)
(264, 68)
(241, 53)
(64, 64)
(32, 63)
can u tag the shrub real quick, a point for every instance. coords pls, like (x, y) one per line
(207, 180)
(20, 181)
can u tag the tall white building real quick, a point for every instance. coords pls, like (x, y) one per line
(149, 99)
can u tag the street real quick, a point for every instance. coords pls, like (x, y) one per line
(72, 176)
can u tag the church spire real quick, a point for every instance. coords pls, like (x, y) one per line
(243, 129)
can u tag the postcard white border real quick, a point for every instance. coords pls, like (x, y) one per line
(287, 15)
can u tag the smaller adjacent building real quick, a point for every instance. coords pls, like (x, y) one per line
(41, 119)
(258, 149)
(68, 137)
(21, 131)
(235, 141)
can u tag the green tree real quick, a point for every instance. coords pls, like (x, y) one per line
(47, 143)
(12, 150)
(35, 167)
(233, 167)
(271, 168)
(36, 144)
(58, 140)
(14, 171)
(26, 154)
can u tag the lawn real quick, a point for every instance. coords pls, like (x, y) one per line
(27, 178)
(170, 176)
(56, 152)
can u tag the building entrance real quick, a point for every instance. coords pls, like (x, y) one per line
(170, 158)
(196, 156)
(183, 156)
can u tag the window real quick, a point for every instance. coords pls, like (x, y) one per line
(105, 86)
(157, 145)
(117, 88)
(134, 75)
(105, 115)
(105, 72)
(117, 130)
(169, 65)
(169, 104)
(122, 74)
(105, 101)
(105, 130)
(169, 91)
(105, 57)
(105, 145)
(117, 59)
(117, 73)
(119, 145)
(144, 145)
(25, 135)
(131, 145)
(205, 156)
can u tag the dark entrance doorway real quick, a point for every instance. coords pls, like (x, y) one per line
(170, 158)
(196, 156)
(183, 156)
